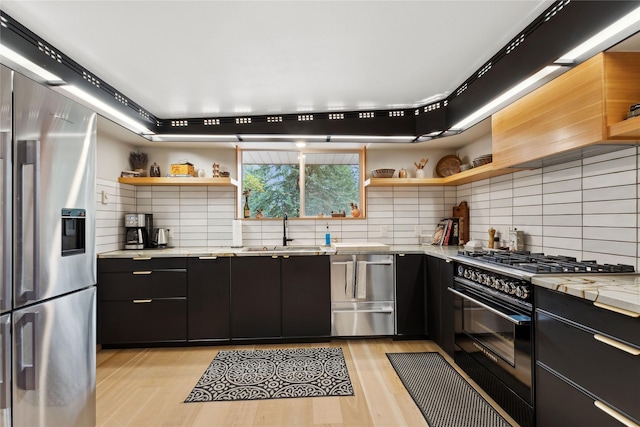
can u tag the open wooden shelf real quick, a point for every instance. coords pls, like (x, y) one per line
(474, 174)
(625, 129)
(222, 182)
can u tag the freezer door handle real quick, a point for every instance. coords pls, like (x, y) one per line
(27, 352)
(28, 228)
(5, 387)
(5, 189)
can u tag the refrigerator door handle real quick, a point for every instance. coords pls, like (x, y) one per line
(5, 262)
(27, 370)
(5, 387)
(28, 229)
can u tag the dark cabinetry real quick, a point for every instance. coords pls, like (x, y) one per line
(208, 299)
(306, 296)
(255, 297)
(586, 372)
(410, 288)
(438, 302)
(280, 297)
(142, 300)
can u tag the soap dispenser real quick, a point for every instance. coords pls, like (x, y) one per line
(327, 237)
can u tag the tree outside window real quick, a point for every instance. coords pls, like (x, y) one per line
(301, 184)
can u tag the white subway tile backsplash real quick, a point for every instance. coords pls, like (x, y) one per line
(610, 166)
(562, 220)
(564, 197)
(610, 220)
(610, 233)
(613, 207)
(610, 193)
(563, 209)
(610, 180)
(609, 247)
(587, 209)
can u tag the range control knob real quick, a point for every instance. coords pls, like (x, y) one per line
(522, 291)
(511, 288)
(467, 274)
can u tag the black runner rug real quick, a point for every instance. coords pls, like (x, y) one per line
(444, 397)
(273, 374)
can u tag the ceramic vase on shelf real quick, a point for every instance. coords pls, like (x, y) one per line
(419, 173)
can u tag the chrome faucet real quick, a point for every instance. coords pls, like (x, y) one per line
(285, 225)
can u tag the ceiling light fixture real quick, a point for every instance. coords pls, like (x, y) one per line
(501, 100)
(106, 110)
(24, 63)
(622, 28)
(61, 86)
(301, 144)
(194, 137)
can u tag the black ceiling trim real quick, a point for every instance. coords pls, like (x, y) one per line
(561, 27)
(39, 51)
(545, 40)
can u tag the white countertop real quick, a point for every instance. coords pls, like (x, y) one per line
(619, 291)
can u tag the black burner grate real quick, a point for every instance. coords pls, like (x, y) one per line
(540, 263)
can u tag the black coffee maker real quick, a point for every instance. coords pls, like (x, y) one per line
(138, 230)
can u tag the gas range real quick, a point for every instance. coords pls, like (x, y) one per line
(508, 275)
(540, 263)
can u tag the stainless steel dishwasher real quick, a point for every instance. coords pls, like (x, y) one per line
(362, 295)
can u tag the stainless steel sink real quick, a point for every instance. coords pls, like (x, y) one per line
(289, 248)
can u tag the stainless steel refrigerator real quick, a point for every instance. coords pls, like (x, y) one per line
(48, 265)
(362, 295)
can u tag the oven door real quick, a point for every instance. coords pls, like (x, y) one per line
(496, 336)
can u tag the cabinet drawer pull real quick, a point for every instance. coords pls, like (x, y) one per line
(274, 256)
(142, 301)
(207, 257)
(616, 309)
(142, 258)
(142, 272)
(617, 344)
(615, 414)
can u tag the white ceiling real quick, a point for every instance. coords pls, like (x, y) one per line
(180, 59)
(186, 59)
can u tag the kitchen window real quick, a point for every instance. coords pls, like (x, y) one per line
(303, 184)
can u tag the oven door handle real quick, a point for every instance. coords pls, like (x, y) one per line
(520, 320)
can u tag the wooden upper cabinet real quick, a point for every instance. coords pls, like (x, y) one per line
(584, 106)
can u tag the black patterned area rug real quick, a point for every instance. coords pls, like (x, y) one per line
(445, 398)
(273, 374)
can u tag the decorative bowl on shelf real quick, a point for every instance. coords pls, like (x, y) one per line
(465, 167)
(482, 160)
(383, 173)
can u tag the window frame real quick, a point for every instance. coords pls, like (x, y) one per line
(361, 190)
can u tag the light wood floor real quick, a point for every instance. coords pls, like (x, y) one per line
(147, 387)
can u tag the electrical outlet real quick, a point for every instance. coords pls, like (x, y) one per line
(105, 198)
(418, 230)
(384, 231)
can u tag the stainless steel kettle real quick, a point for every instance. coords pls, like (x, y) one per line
(160, 237)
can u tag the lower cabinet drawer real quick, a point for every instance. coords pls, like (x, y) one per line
(142, 284)
(143, 321)
(559, 404)
(575, 353)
